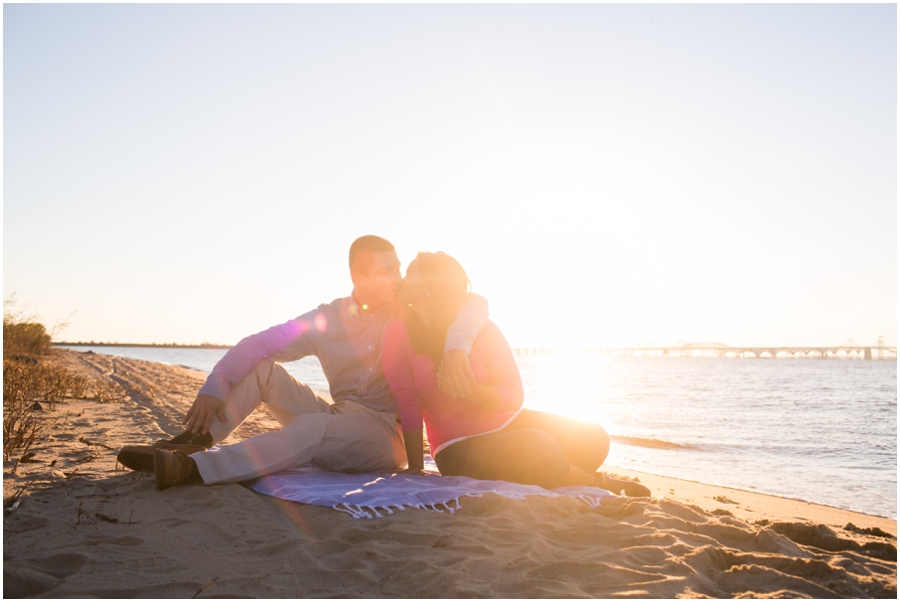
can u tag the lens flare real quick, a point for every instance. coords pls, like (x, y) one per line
(298, 327)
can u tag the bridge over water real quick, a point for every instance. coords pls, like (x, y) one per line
(848, 351)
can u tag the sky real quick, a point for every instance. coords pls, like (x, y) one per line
(608, 175)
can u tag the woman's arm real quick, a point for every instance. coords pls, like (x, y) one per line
(415, 450)
(401, 380)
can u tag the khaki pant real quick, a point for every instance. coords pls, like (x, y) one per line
(346, 436)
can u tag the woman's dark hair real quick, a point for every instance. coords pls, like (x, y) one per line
(447, 284)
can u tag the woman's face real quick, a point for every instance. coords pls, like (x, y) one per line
(413, 289)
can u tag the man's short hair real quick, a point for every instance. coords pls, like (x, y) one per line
(369, 243)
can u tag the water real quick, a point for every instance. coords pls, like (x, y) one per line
(824, 431)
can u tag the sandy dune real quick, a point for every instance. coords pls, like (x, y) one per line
(84, 528)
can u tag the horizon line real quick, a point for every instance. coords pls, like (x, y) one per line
(680, 346)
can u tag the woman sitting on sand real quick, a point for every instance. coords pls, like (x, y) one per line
(486, 435)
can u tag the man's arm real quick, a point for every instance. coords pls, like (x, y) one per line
(504, 391)
(456, 372)
(472, 317)
(286, 342)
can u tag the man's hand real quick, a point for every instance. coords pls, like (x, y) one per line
(202, 412)
(455, 376)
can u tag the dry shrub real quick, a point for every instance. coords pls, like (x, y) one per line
(20, 428)
(39, 381)
(23, 335)
(25, 339)
(56, 383)
(78, 386)
(23, 382)
(28, 378)
(20, 381)
(105, 391)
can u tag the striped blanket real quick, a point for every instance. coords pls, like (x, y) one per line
(376, 494)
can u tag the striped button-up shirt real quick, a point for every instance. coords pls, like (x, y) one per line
(347, 341)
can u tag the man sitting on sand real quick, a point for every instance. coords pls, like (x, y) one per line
(359, 432)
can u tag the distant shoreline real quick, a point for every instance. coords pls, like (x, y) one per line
(723, 352)
(166, 345)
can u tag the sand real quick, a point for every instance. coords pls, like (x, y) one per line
(84, 527)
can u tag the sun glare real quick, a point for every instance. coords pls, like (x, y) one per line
(565, 383)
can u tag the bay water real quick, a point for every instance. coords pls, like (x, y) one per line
(823, 431)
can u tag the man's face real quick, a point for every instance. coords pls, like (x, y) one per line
(376, 278)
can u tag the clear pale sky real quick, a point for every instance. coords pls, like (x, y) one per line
(607, 174)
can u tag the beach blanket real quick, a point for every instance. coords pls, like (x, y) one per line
(376, 494)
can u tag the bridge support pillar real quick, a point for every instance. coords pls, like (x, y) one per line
(868, 354)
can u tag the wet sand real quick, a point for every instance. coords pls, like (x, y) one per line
(84, 527)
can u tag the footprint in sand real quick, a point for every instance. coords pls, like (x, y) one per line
(126, 540)
(59, 565)
(39, 575)
(22, 582)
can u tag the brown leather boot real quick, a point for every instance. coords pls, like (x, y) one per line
(172, 468)
(620, 486)
(140, 457)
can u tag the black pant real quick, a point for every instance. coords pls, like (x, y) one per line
(534, 449)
